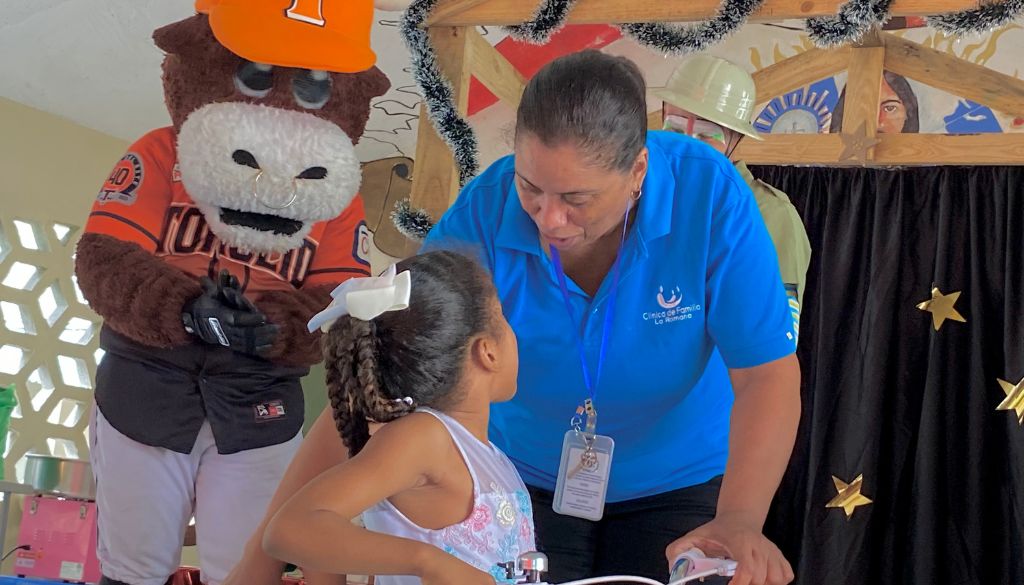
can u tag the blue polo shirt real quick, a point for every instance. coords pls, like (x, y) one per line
(700, 292)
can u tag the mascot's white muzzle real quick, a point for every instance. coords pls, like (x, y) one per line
(262, 176)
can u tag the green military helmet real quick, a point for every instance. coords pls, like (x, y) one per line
(714, 89)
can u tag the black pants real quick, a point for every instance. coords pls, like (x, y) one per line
(629, 540)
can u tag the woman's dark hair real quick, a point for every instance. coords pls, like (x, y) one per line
(593, 101)
(901, 86)
(417, 352)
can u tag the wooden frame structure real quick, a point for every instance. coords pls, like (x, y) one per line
(462, 53)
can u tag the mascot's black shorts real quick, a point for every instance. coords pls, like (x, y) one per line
(160, 397)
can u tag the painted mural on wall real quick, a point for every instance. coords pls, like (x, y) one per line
(906, 105)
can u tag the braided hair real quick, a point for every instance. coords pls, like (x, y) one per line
(418, 352)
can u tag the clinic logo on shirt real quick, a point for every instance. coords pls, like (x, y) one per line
(671, 302)
(671, 308)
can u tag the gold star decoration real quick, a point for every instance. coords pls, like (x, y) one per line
(1014, 398)
(856, 144)
(849, 496)
(941, 307)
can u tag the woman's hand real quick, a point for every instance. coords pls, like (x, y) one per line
(442, 568)
(758, 560)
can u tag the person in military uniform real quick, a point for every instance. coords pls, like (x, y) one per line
(712, 100)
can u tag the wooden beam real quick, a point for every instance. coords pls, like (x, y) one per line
(799, 71)
(446, 9)
(435, 180)
(494, 71)
(863, 89)
(959, 77)
(506, 12)
(791, 149)
(893, 150)
(943, 149)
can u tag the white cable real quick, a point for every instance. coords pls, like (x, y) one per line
(645, 580)
(694, 577)
(614, 579)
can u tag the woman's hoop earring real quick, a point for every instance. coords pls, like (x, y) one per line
(256, 195)
(637, 194)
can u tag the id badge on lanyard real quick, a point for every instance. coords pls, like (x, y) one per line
(586, 462)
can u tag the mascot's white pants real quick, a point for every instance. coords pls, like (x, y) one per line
(146, 496)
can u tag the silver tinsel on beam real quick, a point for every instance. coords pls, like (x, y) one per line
(855, 18)
(694, 38)
(980, 20)
(549, 18)
(437, 91)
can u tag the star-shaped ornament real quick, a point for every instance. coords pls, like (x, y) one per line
(856, 144)
(1014, 398)
(849, 496)
(941, 307)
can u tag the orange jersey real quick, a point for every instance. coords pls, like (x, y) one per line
(143, 201)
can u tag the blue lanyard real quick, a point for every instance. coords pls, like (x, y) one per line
(609, 313)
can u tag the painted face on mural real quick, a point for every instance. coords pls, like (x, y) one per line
(892, 112)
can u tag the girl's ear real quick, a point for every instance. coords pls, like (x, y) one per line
(484, 353)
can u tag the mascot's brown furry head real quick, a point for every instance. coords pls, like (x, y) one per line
(264, 151)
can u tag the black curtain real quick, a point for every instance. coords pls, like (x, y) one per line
(887, 396)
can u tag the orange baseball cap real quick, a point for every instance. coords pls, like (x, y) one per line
(326, 35)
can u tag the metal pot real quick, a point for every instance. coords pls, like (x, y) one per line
(70, 478)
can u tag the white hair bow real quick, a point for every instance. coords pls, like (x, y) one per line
(365, 298)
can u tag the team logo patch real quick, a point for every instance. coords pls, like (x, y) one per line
(267, 411)
(361, 247)
(176, 173)
(123, 182)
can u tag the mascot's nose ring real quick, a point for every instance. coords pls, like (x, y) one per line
(256, 193)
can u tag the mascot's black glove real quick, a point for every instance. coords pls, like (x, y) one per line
(222, 315)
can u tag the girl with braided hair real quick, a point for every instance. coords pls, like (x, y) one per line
(424, 351)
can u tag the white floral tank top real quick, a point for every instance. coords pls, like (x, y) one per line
(500, 527)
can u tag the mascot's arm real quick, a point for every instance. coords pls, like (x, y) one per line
(137, 294)
(290, 311)
(342, 253)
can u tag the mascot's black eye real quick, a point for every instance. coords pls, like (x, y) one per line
(245, 158)
(313, 173)
(312, 89)
(254, 79)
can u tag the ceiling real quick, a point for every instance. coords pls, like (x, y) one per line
(91, 61)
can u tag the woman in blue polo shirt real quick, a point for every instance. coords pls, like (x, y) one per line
(681, 294)
(645, 294)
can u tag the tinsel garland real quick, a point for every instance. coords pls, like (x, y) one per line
(437, 90)
(412, 223)
(855, 18)
(694, 38)
(980, 20)
(549, 18)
